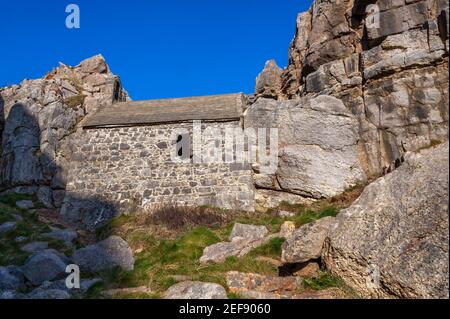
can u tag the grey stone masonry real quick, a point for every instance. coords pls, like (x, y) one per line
(132, 168)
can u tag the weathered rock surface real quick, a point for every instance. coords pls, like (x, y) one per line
(391, 77)
(243, 239)
(268, 82)
(107, 254)
(250, 232)
(11, 278)
(51, 294)
(25, 204)
(306, 242)
(263, 287)
(40, 119)
(7, 227)
(35, 246)
(65, 235)
(196, 290)
(393, 241)
(315, 136)
(44, 265)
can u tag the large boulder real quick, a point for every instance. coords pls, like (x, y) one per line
(318, 152)
(45, 266)
(11, 278)
(394, 240)
(306, 242)
(195, 290)
(107, 254)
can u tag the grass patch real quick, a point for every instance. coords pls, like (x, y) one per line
(29, 226)
(324, 281)
(160, 260)
(75, 101)
(10, 199)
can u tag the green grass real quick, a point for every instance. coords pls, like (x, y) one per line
(324, 281)
(159, 259)
(10, 199)
(30, 227)
(156, 265)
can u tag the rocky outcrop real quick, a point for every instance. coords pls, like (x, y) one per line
(268, 82)
(318, 145)
(39, 119)
(387, 63)
(393, 241)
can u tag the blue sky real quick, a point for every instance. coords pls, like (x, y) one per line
(160, 49)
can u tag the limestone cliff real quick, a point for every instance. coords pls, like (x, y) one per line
(387, 61)
(38, 118)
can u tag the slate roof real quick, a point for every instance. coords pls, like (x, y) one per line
(226, 107)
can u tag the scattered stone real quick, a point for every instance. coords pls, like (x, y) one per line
(243, 239)
(107, 254)
(52, 294)
(196, 290)
(285, 214)
(65, 235)
(7, 227)
(20, 239)
(11, 278)
(248, 232)
(306, 242)
(25, 204)
(257, 286)
(311, 270)
(44, 266)
(85, 285)
(35, 246)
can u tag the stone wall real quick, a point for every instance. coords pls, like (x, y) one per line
(131, 168)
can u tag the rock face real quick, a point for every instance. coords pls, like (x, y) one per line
(268, 82)
(196, 290)
(306, 242)
(39, 119)
(316, 135)
(393, 241)
(107, 254)
(391, 80)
